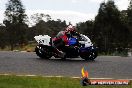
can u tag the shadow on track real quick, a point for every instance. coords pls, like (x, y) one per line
(67, 60)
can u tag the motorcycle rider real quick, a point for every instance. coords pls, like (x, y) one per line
(62, 38)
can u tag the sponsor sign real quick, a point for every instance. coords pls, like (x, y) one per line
(86, 81)
(109, 82)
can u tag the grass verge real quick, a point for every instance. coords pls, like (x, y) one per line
(48, 82)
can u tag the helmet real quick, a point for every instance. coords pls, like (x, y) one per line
(70, 29)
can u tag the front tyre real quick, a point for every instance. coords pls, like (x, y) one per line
(93, 55)
(42, 52)
(88, 55)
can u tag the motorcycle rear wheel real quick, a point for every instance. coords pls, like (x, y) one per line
(42, 53)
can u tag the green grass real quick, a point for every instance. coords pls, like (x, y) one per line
(46, 82)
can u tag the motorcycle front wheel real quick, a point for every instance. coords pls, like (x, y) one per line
(88, 55)
(93, 55)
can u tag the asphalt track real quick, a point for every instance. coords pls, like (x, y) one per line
(27, 63)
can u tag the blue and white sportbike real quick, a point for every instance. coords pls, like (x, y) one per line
(77, 47)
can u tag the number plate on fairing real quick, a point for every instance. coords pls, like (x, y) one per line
(44, 40)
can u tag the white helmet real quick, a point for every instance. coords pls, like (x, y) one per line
(70, 28)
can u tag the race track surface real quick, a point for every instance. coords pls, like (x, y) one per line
(28, 63)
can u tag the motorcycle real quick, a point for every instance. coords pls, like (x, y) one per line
(76, 47)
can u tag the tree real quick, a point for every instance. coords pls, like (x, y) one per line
(3, 37)
(109, 31)
(129, 20)
(14, 21)
(86, 28)
(37, 17)
(50, 28)
(129, 13)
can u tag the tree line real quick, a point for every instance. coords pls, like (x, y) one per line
(110, 30)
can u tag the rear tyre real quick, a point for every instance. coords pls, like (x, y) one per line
(42, 52)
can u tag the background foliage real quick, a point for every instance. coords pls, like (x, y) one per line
(110, 31)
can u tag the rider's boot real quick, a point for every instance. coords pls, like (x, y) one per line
(60, 53)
